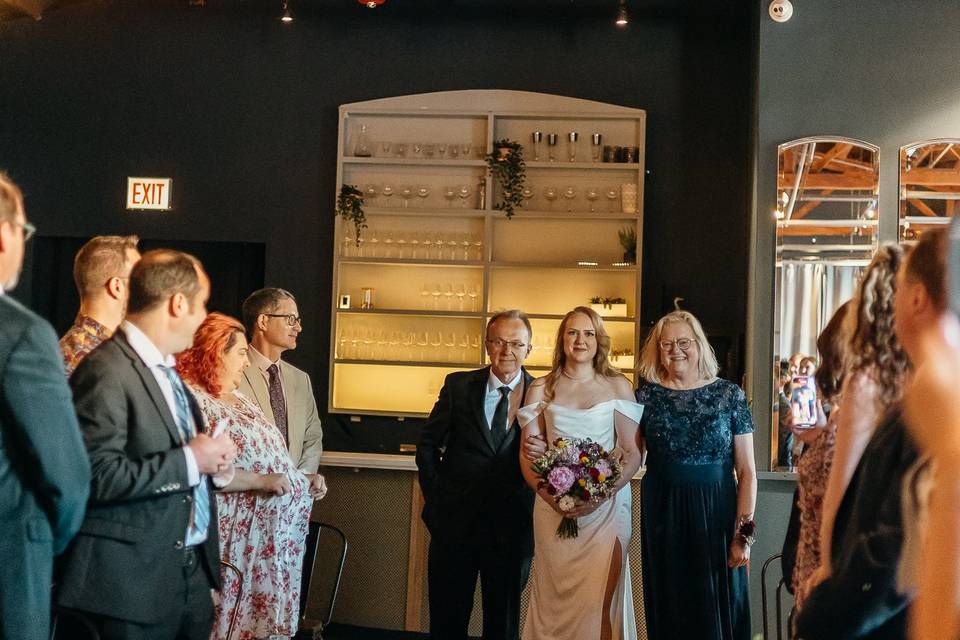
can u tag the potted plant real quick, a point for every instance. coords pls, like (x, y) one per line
(628, 240)
(609, 307)
(505, 163)
(350, 208)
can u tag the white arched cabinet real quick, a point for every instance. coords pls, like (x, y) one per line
(438, 259)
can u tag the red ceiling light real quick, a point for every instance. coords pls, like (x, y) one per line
(371, 4)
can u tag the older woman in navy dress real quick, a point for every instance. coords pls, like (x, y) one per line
(699, 490)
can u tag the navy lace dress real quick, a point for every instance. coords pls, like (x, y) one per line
(688, 512)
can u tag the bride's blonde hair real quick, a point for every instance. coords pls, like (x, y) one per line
(601, 359)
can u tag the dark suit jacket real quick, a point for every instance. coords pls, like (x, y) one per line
(128, 558)
(860, 599)
(467, 485)
(44, 473)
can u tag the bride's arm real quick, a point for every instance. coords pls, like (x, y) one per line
(628, 439)
(536, 428)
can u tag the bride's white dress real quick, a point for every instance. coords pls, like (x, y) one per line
(570, 575)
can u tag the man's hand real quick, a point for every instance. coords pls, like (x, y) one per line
(318, 486)
(213, 455)
(275, 484)
(807, 435)
(534, 446)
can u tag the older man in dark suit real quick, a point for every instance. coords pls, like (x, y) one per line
(476, 505)
(147, 553)
(44, 474)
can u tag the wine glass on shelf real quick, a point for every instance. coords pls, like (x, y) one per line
(452, 245)
(401, 244)
(612, 194)
(429, 149)
(427, 242)
(401, 149)
(406, 192)
(572, 139)
(367, 341)
(461, 293)
(465, 244)
(463, 192)
(422, 342)
(394, 342)
(464, 344)
(417, 149)
(454, 151)
(465, 150)
(569, 194)
(387, 191)
(438, 245)
(591, 195)
(476, 239)
(436, 341)
(374, 242)
(527, 194)
(370, 195)
(385, 149)
(413, 239)
(422, 193)
(450, 194)
(550, 193)
(382, 342)
(349, 242)
(448, 294)
(341, 344)
(436, 293)
(407, 340)
(474, 293)
(354, 344)
(441, 149)
(425, 296)
(388, 244)
(596, 141)
(475, 344)
(551, 147)
(451, 343)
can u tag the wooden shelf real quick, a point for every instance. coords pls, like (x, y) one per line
(414, 312)
(412, 363)
(576, 266)
(419, 211)
(416, 162)
(562, 163)
(406, 262)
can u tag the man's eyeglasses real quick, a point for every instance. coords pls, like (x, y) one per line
(500, 344)
(28, 229)
(292, 319)
(682, 343)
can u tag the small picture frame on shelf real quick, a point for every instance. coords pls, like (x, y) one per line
(344, 302)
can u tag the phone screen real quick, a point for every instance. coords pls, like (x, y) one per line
(803, 401)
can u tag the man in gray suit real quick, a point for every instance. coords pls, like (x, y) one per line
(283, 392)
(44, 473)
(147, 554)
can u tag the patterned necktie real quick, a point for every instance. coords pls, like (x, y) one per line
(277, 403)
(200, 517)
(498, 425)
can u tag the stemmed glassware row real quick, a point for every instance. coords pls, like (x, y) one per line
(413, 245)
(570, 193)
(408, 346)
(426, 150)
(375, 195)
(431, 294)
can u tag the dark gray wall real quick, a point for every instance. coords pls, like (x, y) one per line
(241, 111)
(883, 71)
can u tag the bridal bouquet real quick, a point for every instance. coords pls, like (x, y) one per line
(576, 471)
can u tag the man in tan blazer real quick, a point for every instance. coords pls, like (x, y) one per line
(283, 392)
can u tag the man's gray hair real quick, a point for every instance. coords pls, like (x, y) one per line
(511, 314)
(262, 301)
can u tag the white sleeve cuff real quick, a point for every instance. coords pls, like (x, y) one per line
(193, 471)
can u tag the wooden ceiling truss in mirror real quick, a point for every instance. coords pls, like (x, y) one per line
(929, 185)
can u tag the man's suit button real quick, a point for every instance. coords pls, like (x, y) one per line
(178, 544)
(187, 499)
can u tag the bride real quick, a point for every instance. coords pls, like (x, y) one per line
(581, 586)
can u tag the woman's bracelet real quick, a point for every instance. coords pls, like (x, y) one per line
(746, 530)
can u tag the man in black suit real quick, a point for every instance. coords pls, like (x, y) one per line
(44, 473)
(476, 505)
(147, 553)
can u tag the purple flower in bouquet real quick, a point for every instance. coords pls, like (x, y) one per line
(604, 468)
(561, 479)
(571, 455)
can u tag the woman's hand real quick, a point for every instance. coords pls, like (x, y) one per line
(534, 446)
(551, 500)
(318, 485)
(584, 509)
(739, 553)
(275, 484)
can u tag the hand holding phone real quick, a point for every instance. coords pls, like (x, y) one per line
(803, 401)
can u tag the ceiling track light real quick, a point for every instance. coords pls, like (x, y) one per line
(287, 16)
(622, 18)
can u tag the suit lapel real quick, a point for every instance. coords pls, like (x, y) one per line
(478, 392)
(259, 388)
(150, 384)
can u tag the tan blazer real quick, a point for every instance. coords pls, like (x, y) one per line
(303, 421)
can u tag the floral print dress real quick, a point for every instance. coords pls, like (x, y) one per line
(263, 536)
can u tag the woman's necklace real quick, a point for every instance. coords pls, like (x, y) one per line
(590, 377)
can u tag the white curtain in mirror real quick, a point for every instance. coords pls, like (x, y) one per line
(810, 293)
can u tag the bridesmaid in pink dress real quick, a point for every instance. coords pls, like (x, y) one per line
(264, 512)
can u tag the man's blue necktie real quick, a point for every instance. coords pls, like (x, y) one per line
(201, 493)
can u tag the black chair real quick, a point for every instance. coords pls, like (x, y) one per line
(779, 595)
(313, 629)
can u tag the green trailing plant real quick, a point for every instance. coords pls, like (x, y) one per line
(607, 302)
(505, 163)
(350, 208)
(628, 240)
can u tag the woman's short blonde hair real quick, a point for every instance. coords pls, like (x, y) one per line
(651, 364)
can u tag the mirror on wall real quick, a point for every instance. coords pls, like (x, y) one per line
(929, 185)
(827, 223)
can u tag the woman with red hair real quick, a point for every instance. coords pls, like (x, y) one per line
(264, 512)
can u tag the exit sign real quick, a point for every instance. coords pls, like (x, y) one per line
(148, 193)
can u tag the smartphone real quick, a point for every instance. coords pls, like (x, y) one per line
(803, 401)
